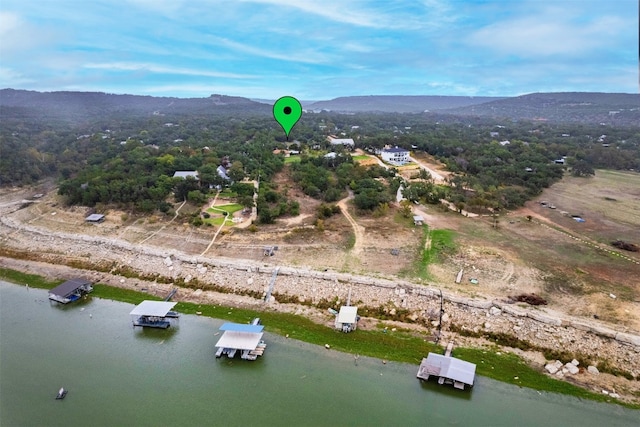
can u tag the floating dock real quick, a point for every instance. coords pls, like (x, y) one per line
(71, 290)
(153, 314)
(246, 339)
(447, 369)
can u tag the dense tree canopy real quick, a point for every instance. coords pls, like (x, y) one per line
(129, 159)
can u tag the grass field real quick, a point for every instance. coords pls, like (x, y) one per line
(292, 159)
(609, 202)
(359, 158)
(222, 213)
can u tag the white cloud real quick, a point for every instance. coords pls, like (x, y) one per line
(163, 6)
(334, 11)
(9, 22)
(12, 78)
(200, 90)
(154, 68)
(551, 32)
(308, 56)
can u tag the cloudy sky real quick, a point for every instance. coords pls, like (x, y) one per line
(319, 49)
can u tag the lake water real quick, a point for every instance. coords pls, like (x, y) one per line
(118, 376)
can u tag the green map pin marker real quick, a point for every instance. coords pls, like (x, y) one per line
(287, 111)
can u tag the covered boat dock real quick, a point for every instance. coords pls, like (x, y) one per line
(71, 290)
(244, 338)
(153, 314)
(448, 369)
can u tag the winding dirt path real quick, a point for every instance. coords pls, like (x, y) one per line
(164, 226)
(358, 230)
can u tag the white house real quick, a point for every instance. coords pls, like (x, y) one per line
(222, 172)
(396, 156)
(347, 142)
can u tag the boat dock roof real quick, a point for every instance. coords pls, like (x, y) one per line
(69, 287)
(239, 336)
(153, 308)
(447, 367)
(239, 327)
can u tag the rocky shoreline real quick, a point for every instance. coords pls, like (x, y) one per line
(245, 283)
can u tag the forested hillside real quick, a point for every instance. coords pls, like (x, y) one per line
(616, 109)
(126, 155)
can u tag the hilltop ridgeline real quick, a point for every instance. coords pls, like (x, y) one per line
(571, 107)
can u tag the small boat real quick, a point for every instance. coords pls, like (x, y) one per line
(61, 393)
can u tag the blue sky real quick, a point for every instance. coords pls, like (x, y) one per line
(319, 49)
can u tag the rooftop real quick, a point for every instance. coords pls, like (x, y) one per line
(348, 314)
(153, 308)
(240, 336)
(395, 150)
(185, 174)
(69, 287)
(449, 367)
(94, 218)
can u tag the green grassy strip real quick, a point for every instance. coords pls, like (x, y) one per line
(397, 346)
(32, 280)
(292, 159)
(230, 208)
(422, 263)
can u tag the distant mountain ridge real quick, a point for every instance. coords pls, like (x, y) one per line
(586, 107)
(398, 103)
(67, 103)
(593, 107)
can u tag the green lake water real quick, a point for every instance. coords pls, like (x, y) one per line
(118, 376)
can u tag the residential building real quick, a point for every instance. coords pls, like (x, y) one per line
(396, 156)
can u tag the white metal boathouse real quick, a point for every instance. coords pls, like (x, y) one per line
(153, 314)
(247, 339)
(448, 370)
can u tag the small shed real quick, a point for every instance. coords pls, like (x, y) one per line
(71, 290)
(347, 318)
(95, 218)
(448, 369)
(240, 337)
(418, 220)
(153, 314)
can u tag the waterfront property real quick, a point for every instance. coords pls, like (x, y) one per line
(71, 290)
(247, 339)
(448, 369)
(153, 314)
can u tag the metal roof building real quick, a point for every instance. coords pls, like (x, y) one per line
(246, 338)
(185, 174)
(152, 314)
(347, 318)
(95, 218)
(71, 290)
(448, 369)
(239, 336)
